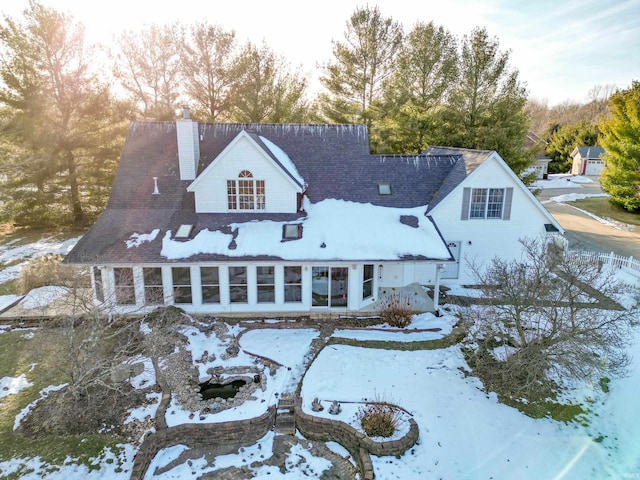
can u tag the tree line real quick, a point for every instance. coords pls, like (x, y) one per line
(610, 119)
(65, 105)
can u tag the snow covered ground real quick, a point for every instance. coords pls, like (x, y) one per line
(16, 255)
(562, 180)
(464, 432)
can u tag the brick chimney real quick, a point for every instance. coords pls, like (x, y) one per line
(188, 146)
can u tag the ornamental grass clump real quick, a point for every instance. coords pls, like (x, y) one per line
(396, 310)
(45, 270)
(378, 419)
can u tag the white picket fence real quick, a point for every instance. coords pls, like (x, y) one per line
(629, 264)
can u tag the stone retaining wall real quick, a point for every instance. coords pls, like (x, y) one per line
(194, 435)
(357, 443)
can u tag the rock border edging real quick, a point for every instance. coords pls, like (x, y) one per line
(357, 443)
(239, 432)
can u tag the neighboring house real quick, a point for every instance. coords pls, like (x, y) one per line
(587, 161)
(541, 166)
(219, 218)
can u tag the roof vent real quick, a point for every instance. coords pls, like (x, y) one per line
(155, 186)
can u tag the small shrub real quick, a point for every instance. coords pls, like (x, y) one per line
(46, 270)
(396, 310)
(604, 384)
(378, 420)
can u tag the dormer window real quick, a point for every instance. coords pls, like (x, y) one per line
(245, 192)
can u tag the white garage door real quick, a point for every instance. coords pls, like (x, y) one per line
(594, 167)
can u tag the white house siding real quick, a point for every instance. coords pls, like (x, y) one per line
(400, 274)
(211, 190)
(355, 289)
(481, 240)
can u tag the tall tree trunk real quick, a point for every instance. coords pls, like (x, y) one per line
(76, 207)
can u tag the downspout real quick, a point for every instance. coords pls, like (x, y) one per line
(436, 288)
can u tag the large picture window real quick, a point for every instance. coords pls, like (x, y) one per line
(246, 193)
(181, 284)
(486, 203)
(210, 280)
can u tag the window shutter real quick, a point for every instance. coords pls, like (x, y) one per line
(506, 214)
(466, 196)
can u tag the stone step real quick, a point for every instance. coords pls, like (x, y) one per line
(285, 405)
(289, 429)
(286, 423)
(286, 401)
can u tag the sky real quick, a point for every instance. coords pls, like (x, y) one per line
(562, 49)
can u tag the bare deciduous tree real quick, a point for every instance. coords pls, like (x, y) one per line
(549, 317)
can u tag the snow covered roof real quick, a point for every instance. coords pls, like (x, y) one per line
(334, 164)
(332, 230)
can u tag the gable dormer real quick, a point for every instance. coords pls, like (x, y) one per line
(251, 174)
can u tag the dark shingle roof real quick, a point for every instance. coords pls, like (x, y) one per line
(590, 152)
(333, 160)
(471, 159)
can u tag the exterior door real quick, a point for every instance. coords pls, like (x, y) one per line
(451, 269)
(329, 286)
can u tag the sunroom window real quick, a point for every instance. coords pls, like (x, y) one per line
(266, 284)
(181, 284)
(292, 284)
(210, 281)
(125, 290)
(97, 281)
(153, 292)
(238, 285)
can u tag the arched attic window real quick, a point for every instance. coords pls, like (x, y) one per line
(245, 192)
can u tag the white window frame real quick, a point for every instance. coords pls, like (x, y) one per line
(481, 208)
(245, 193)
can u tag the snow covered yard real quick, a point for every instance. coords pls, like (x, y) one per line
(464, 432)
(15, 253)
(562, 180)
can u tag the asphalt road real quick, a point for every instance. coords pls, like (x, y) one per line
(586, 233)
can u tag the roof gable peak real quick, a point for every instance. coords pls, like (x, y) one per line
(277, 157)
